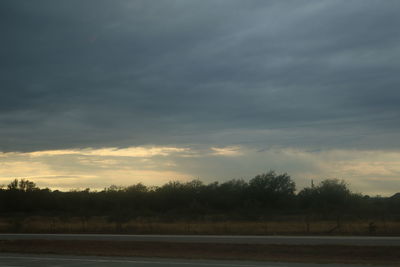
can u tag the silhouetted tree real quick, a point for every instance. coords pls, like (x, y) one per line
(22, 185)
(272, 190)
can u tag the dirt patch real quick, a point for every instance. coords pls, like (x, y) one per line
(287, 253)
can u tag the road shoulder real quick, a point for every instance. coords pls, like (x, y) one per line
(379, 255)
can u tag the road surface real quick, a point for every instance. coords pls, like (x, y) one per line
(270, 240)
(30, 260)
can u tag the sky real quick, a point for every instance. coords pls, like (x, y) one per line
(96, 92)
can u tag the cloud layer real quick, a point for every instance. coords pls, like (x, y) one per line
(98, 74)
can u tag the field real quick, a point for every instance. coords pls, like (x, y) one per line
(38, 224)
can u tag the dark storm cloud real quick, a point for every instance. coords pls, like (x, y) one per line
(122, 73)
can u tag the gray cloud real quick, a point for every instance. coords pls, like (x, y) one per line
(268, 73)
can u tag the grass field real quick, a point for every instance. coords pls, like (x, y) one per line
(102, 225)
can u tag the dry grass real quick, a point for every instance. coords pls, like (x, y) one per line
(287, 253)
(101, 225)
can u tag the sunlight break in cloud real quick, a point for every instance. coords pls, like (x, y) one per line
(140, 152)
(228, 151)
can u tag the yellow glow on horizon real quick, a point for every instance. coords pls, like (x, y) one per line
(93, 168)
(365, 171)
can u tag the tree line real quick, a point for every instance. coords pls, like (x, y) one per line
(266, 196)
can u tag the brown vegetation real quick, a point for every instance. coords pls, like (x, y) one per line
(285, 226)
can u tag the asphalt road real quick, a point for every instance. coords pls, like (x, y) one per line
(29, 260)
(271, 240)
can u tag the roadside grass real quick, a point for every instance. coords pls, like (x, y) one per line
(284, 253)
(36, 224)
